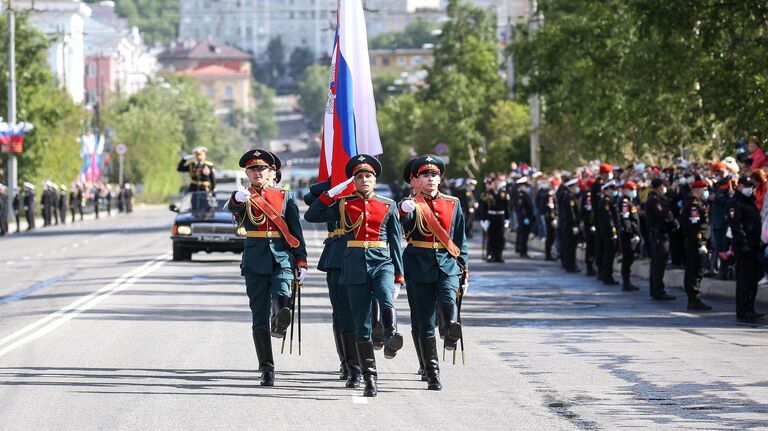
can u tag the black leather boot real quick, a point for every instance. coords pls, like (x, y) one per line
(368, 365)
(377, 335)
(343, 372)
(452, 330)
(431, 363)
(392, 340)
(419, 355)
(264, 352)
(281, 315)
(351, 363)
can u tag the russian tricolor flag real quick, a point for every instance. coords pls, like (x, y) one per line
(350, 117)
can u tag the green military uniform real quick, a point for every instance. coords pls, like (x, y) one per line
(330, 262)
(269, 258)
(431, 271)
(201, 173)
(371, 261)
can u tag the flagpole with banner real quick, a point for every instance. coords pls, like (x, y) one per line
(349, 126)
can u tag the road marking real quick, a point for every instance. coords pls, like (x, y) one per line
(54, 320)
(75, 245)
(359, 400)
(25, 258)
(9, 262)
(682, 314)
(38, 254)
(64, 249)
(23, 293)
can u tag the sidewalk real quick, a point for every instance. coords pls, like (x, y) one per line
(39, 221)
(673, 278)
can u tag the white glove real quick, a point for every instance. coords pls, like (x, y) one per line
(506, 224)
(464, 288)
(187, 156)
(554, 222)
(338, 188)
(593, 229)
(575, 230)
(301, 274)
(242, 195)
(485, 224)
(703, 249)
(635, 240)
(396, 292)
(408, 206)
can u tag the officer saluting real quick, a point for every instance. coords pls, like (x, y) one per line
(694, 221)
(372, 259)
(435, 259)
(274, 253)
(201, 172)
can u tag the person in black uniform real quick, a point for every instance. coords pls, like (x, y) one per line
(96, 199)
(569, 217)
(676, 239)
(29, 205)
(16, 207)
(3, 212)
(605, 173)
(587, 227)
(694, 221)
(80, 200)
(109, 199)
(72, 201)
(607, 222)
(660, 223)
(62, 203)
(494, 219)
(45, 207)
(201, 171)
(745, 223)
(53, 200)
(466, 195)
(524, 212)
(128, 197)
(629, 233)
(545, 203)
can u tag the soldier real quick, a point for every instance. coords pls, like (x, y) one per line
(745, 223)
(468, 204)
(494, 219)
(587, 227)
(605, 174)
(109, 197)
(274, 254)
(607, 224)
(569, 217)
(524, 212)
(80, 200)
(16, 208)
(72, 200)
(629, 233)
(201, 171)
(29, 205)
(435, 260)
(127, 198)
(45, 206)
(545, 202)
(62, 203)
(660, 223)
(53, 201)
(372, 264)
(96, 199)
(3, 211)
(694, 221)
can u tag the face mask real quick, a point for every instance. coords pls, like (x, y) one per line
(747, 191)
(683, 181)
(705, 195)
(614, 193)
(633, 194)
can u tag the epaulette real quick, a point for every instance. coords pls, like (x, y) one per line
(449, 197)
(385, 199)
(208, 163)
(351, 195)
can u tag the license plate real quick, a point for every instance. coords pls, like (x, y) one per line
(213, 238)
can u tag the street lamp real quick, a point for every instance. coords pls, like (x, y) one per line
(12, 173)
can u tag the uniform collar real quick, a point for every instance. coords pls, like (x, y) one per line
(430, 198)
(369, 195)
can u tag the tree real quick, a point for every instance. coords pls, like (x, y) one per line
(272, 69)
(157, 19)
(313, 93)
(416, 34)
(258, 125)
(301, 58)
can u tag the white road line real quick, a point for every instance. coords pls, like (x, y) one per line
(9, 262)
(58, 318)
(683, 314)
(64, 249)
(359, 400)
(38, 254)
(75, 245)
(25, 258)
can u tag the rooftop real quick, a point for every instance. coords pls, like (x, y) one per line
(208, 49)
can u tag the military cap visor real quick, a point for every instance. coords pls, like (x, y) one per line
(572, 182)
(257, 158)
(363, 163)
(428, 163)
(200, 150)
(609, 185)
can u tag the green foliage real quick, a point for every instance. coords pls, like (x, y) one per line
(313, 92)
(301, 58)
(51, 151)
(272, 69)
(158, 20)
(258, 126)
(508, 134)
(416, 34)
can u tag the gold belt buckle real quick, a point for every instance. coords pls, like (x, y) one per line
(434, 245)
(365, 244)
(269, 234)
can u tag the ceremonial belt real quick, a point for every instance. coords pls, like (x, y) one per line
(335, 233)
(276, 218)
(201, 183)
(367, 244)
(426, 244)
(436, 228)
(263, 234)
(495, 212)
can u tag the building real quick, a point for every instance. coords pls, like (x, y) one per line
(387, 16)
(251, 24)
(399, 62)
(63, 21)
(117, 61)
(222, 72)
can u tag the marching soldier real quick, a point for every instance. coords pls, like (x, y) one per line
(274, 254)
(569, 223)
(73, 201)
(435, 260)
(660, 223)
(331, 262)
(745, 224)
(96, 199)
(694, 221)
(629, 233)
(201, 171)
(109, 197)
(545, 201)
(605, 174)
(494, 219)
(468, 204)
(53, 201)
(587, 227)
(62, 203)
(372, 261)
(607, 222)
(29, 205)
(45, 205)
(80, 200)
(16, 208)
(524, 211)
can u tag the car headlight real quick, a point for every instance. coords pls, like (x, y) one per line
(183, 230)
(241, 231)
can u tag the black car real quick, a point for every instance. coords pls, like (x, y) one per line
(203, 224)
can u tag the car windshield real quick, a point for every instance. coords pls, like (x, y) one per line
(200, 201)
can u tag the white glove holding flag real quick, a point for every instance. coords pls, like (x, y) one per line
(396, 291)
(301, 274)
(338, 188)
(485, 224)
(187, 156)
(242, 195)
(408, 206)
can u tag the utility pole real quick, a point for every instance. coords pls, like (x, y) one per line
(12, 166)
(510, 57)
(534, 100)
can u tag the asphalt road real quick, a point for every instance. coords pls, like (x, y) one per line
(100, 330)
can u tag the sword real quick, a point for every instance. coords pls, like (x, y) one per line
(298, 296)
(293, 300)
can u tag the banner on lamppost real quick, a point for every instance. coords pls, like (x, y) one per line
(91, 151)
(12, 138)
